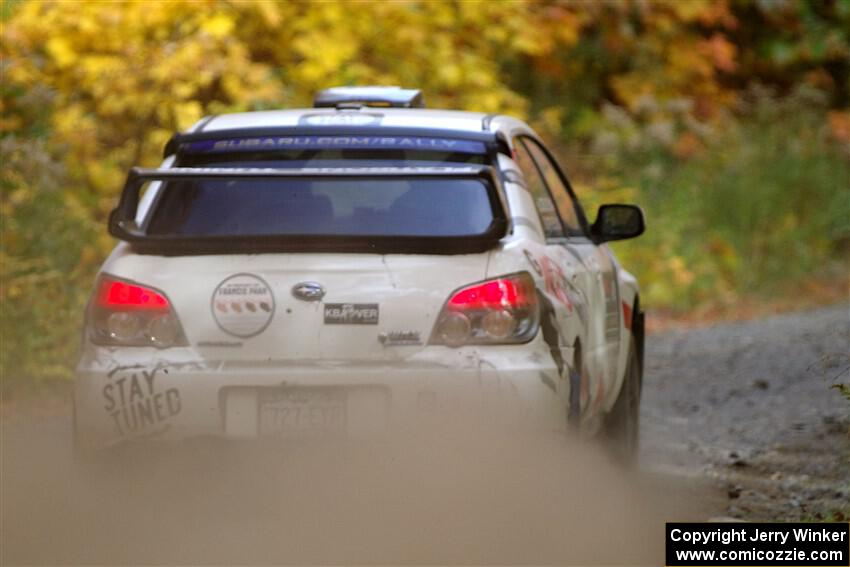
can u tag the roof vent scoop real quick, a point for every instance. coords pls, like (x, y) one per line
(355, 97)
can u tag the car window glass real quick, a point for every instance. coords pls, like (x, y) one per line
(535, 185)
(305, 206)
(563, 201)
(302, 206)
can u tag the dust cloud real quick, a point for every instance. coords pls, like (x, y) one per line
(431, 497)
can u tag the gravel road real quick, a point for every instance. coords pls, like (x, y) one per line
(750, 406)
(738, 421)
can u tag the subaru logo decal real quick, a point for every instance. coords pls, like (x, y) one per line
(308, 291)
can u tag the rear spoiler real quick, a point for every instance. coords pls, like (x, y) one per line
(123, 224)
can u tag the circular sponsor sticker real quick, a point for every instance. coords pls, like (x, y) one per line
(243, 305)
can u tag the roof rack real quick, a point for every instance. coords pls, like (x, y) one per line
(355, 97)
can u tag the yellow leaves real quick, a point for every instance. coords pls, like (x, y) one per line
(488, 102)
(720, 248)
(549, 121)
(690, 10)
(789, 222)
(103, 66)
(451, 74)
(103, 177)
(681, 274)
(323, 56)
(61, 52)
(158, 137)
(219, 25)
(631, 87)
(270, 13)
(73, 124)
(89, 256)
(124, 73)
(187, 113)
(8, 121)
(568, 25)
(442, 13)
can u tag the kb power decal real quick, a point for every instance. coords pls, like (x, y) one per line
(243, 305)
(135, 403)
(351, 314)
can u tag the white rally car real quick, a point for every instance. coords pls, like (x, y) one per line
(357, 266)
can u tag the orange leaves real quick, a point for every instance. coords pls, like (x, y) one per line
(721, 52)
(687, 145)
(839, 126)
(660, 49)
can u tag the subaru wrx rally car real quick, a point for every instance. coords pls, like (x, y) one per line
(339, 270)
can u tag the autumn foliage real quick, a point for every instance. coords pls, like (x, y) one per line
(728, 120)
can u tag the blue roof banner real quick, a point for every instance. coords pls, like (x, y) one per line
(271, 143)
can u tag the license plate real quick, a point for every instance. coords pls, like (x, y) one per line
(303, 411)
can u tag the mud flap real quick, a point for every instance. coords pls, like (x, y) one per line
(553, 338)
(574, 410)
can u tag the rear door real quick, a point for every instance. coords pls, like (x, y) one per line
(589, 268)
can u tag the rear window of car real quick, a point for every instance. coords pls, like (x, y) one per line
(322, 206)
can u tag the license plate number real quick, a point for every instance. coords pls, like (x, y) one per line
(299, 412)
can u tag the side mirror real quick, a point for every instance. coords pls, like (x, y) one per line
(617, 222)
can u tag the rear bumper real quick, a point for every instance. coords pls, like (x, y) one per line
(126, 394)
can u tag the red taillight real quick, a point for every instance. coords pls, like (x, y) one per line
(116, 294)
(497, 294)
(129, 314)
(499, 311)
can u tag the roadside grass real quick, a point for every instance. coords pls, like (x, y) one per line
(752, 208)
(840, 514)
(799, 296)
(834, 516)
(844, 390)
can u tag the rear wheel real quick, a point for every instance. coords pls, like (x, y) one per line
(622, 424)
